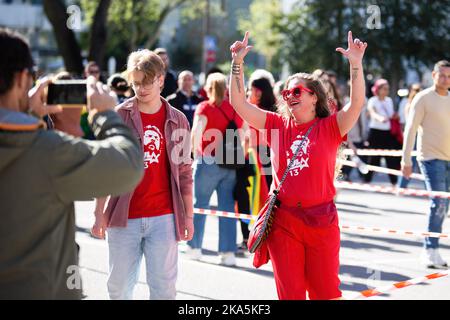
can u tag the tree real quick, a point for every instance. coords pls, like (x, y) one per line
(264, 18)
(99, 33)
(117, 27)
(68, 45)
(412, 33)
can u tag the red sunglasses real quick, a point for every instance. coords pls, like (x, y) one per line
(296, 92)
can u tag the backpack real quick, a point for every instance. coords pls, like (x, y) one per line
(229, 151)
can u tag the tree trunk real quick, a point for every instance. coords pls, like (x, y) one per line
(339, 21)
(68, 46)
(156, 28)
(99, 34)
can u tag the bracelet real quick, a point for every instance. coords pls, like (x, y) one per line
(236, 68)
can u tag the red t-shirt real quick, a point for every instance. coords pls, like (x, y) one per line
(216, 124)
(311, 179)
(153, 197)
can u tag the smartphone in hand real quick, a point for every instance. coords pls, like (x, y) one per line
(67, 93)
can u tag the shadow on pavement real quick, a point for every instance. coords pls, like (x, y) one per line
(368, 273)
(367, 246)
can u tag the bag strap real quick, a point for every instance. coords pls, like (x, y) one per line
(225, 115)
(293, 158)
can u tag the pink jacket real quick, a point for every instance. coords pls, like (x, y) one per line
(177, 134)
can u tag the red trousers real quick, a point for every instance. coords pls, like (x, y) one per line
(304, 258)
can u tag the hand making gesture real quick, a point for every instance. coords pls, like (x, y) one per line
(239, 49)
(355, 50)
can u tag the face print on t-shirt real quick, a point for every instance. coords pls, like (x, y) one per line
(302, 160)
(152, 145)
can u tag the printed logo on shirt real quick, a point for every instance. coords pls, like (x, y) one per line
(152, 145)
(302, 159)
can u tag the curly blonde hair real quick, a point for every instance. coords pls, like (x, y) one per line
(313, 83)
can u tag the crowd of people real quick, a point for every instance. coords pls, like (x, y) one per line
(148, 147)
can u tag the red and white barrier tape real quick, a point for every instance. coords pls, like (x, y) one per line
(398, 232)
(377, 152)
(392, 190)
(381, 170)
(398, 285)
(218, 213)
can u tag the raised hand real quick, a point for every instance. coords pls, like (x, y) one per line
(355, 50)
(37, 101)
(239, 49)
(99, 96)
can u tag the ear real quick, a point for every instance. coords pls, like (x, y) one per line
(161, 80)
(315, 99)
(21, 80)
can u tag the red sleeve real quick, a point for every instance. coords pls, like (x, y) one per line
(331, 126)
(202, 109)
(273, 121)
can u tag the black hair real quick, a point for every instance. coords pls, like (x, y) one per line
(213, 70)
(15, 56)
(267, 100)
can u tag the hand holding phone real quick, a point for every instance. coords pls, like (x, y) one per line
(37, 99)
(67, 93)
(99, 97)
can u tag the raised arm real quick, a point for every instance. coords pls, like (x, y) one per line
(255, 116)
(347, 117)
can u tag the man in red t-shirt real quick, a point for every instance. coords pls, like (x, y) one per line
(150, 221)
(152, 196)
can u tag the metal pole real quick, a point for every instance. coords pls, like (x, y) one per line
(206, 31)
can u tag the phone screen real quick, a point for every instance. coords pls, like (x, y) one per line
(67, 92)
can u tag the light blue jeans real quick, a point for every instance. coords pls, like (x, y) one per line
(154, 238)
(208, 177)
(437, 178)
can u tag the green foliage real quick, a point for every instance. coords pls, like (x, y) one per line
(262, 23)
(412, 32)
(132, 24)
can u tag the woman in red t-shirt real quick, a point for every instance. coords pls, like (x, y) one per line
(304, 241)
(211, 119)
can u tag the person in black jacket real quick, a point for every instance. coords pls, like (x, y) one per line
(170, 81)
(185, 99)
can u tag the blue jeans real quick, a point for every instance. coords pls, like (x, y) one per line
(207, 178)
(437, 178)
(155, 239)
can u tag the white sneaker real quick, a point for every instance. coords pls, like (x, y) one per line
(438, 259)
(194, 254)
(228, 259)
(432, 259)
(183, 247)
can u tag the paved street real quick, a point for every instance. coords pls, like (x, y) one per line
(366, 259)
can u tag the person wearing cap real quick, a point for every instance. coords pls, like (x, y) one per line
(381, 110)
(119, 86)
(429, 117)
